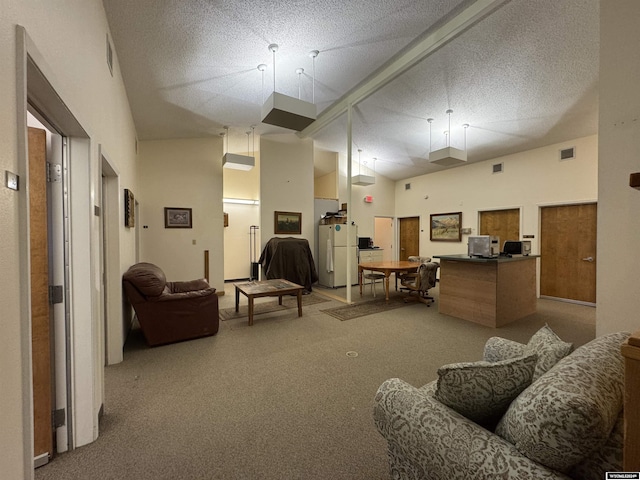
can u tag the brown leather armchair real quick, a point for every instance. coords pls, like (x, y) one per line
(170, 311)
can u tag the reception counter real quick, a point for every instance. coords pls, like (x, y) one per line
(488, 291)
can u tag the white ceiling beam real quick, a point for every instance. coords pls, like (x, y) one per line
(405, 60)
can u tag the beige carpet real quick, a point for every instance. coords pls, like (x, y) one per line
(270, 306)
(280, 399)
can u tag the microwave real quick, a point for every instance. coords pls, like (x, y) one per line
(487, 246)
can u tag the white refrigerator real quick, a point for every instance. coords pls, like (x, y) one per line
(332, 256)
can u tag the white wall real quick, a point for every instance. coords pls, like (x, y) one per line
(72, 55)
(619, 152)
(530, 180)
(182, 173)
(383, 193)
(286, 183)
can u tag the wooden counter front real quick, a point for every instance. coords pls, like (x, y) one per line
(491, 292)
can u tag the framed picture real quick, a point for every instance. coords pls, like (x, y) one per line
(287, 223)
(129, 209)
(445, 227)
(177, 217)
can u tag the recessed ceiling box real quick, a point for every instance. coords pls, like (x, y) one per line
(238, 162)
(448, 156)
(288, 112)
(363, 180)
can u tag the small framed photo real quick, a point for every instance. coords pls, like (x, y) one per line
(129, 209)
(177, 217)
(445, 227)
(287, 223)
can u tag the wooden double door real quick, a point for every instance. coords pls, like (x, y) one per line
(568, 236)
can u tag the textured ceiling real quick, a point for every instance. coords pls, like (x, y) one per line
(524, 76)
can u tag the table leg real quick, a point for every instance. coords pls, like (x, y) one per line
(360, 279)
(279, 299)
(250, 310)
(386, 286)
(237, 299)
(299, 303)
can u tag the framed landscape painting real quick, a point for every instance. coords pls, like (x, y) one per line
(446, 227)
(177, 217)
(287, 223)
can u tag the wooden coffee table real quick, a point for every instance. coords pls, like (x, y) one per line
(267, 288)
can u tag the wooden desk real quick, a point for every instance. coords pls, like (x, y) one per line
(488, 291)
(267, 288)
(387, 268)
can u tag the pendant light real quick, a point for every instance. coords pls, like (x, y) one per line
(448, 156)
(361, 179)
(285, 111)
(235, 161)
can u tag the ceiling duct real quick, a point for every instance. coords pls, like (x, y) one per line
(285, 111)
(448, 156)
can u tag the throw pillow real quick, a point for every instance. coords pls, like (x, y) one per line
(549, 348)
(570, 412)
(482, 391)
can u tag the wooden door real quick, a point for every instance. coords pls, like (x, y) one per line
(40, 318)
(568, 252)
(409, 237)
(502, 223)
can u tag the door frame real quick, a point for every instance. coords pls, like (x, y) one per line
(33, 86)
(112, 306)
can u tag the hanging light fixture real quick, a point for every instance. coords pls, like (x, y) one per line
(285, 111)
(361, 179)
(235, 161)
(448, 156)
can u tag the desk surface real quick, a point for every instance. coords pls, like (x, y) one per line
(463, 257)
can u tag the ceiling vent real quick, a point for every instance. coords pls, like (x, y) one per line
(568, 153)
(498, 168)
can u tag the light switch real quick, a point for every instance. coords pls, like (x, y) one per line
(12, 180)
(193, 242)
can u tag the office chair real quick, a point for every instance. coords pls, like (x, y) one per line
(419, 283)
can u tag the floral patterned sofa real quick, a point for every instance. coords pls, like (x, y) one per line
(533, 411)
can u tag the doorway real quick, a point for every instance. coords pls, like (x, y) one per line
(383, 236)
(82, 386)
(409, 238)
(568, 252)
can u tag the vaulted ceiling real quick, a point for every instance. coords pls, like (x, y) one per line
(522, 74)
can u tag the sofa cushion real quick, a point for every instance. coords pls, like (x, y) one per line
(570, 410)
(482, 391)
(148, 278)
(544, 343)
(549, 348)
